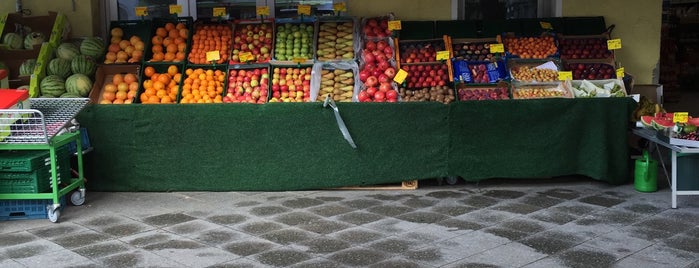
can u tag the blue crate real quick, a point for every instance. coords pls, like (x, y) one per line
(84, 141)
(26, 209)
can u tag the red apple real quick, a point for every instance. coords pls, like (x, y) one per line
(371, 81)
(390, 72)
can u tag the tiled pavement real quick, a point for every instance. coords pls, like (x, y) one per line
(497, 223)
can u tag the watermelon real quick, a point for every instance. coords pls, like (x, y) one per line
(13, 40)
(60, 67)
(33, 39)
(81, 64)
(27, 67)
(661, 123)
(67, 51)
(70, 95)
(647, 121)
(52, 85)
(92, 47)
(693, 121)
(79, 84)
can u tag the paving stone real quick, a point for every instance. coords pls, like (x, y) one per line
(287, 236)
(548, 262)
(29, 249)
(518, 208)
(504, 194)
(453, 210)
(694, 232)
(419, 202)
(240, 263)
(643, 208)
(302, 202)
(392, 245)
(632, 262)
(562, 193)
(577, 209)
(359, 218)
(446, 194)
(508, 233)
(325, 245)
(665, 224)
(57, 230)
(540, 200)
(682, 242)
(388, 197)
(432, 233)
(686, 216)
(174, 244)
(487, 217)
(13, 239)
(619, 243)
(59, 258)
(395, 263)
(80, 239)
(137, 258)
(102, 249)
(219, 236)
(508, 255)
(148, 238)
(427, 254)
(460, 224)
(228, 219)
(599, 200)
(330, 210)
(102, 221)
(330, 198)
(479, 201)
(261, 227)
(9, 263)
(474, 265)
(126, 229)
(393, 226)
(585, 257)
(422, 217)
(296, 218)
(247, 204)
(666, 255)
(553, 217)
(524, 225)
(547, 245)
(249, 247)
(648, 233)
(191, 227)
(390, 210)
(196, 257)
(358, 257)
(611, 217)
(323, 226)
(361, 203)
(282, 257)
(268, 210)
(465, 246)
(168, 219)
(316, 263)
(359, 235)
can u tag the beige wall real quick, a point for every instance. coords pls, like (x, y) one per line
(84, 21)
(403, 9)
(637, 24)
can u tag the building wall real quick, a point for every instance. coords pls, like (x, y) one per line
(84, 21)
(403, 9)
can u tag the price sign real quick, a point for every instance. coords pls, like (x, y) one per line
(175, 9)
(614, 44)
(620, 73)
(443, 55)
(565, 76)
(213, 55)
(219, 11)
(680, 117)
(246, 56)
(262, 11)
(141, 11)
(299, 60)
(340, 7)
(546, 25)
(497, 48)
(400, 76)
(304, 10)
(394, 25)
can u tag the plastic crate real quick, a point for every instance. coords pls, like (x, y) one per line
(37, 181)
(27, 209)
(23, 161)
(84, 141)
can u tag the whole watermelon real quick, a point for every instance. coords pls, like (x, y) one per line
(81, 64)
(70, 95)
(13, 40)
(52, 85)
(60, 67)
(33, 39)
(67, 51)
(79, 84)
(27, 67)
(92, 47)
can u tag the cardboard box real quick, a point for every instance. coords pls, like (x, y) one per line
(104, 73)
(654, 92)
(51, 25)
(14, 59)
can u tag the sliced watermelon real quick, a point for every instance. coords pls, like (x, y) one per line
(661, 123)
(664, 115)
(693, 121)
(647, 121)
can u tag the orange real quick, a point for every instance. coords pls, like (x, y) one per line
(114, 48)
(165, 79)
(172, 48)
(158, 56)
(122, 86)
(133, 86)
(153, 99)
(117, 78)
(107, 95)
(117, 32)
(157, 40)
(130, 78)
(124, 43)
(172, 70)
(174, 33)
(144, 98)
(167, 41)
(149, 92)
(169, 26)
(121, 95)
(184, 33)
(180, 26)
(139, 45)
(135, 39)
(121, 55)
(157, 85)
(110, 88)
(169, 56)
(118, 101)
(111, 56)
(157, 48)
(160, 31)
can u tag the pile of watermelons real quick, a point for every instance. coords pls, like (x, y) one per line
(69, 74)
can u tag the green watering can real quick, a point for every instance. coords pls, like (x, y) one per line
(646, 174)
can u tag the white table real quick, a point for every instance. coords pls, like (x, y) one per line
(651, 136)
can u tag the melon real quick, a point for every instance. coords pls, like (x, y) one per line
(52, 85)
(70, 95)
(81, 64)
(27, 67)
(67, 51)
(60, 67)
(92, 47)
(13, 40)
(661, 123)
(647, 121)
(33, 39)
(79, 84)
(693, 121)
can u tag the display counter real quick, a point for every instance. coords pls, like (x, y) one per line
(273, 147)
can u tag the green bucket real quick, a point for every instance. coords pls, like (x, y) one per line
(646, 174)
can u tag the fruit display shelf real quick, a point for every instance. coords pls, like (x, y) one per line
(291, 83)
(340, 80)
(211, 36)
(295, 41)
(377, 68)
(255, 37)
(499, 91)
(124, 37)
(530, 47)
(165, 33)
(247, 83)
(338, 39)
(154, 89)
(202, 83)
(585, 47)
(105, 88)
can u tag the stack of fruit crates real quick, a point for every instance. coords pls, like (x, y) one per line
(30, 171)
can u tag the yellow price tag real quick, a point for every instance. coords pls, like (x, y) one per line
(620, 73)
(340, 7)
(246, 56)
(565, 75)
(299, 60)
(546, 25)
(141, 11)
(219, 12)
(497, 48)
(680, 117)
(614, 44)
(175, 9)
(443, 55)
(400, 76)
(304, 10)
(213, 55)
(394, 25)
(262, 11)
